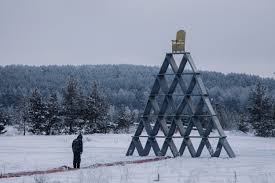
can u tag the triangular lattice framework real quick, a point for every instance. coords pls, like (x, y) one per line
(195, 102)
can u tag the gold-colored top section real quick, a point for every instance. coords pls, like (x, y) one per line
(178, 45)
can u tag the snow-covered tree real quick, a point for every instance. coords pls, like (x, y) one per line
(273, 110)
(260, 114)
(96, 111)
(110, 119)
(71, 106)
(4, 120)
(53, 121)
(36, 113)
(243, 124)
(124, 119)
(22, 115)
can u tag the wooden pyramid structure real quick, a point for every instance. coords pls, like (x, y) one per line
(182, 106)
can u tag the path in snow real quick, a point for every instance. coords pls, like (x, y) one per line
(67, 168)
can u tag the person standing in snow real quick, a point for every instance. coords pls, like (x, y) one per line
(77, 147)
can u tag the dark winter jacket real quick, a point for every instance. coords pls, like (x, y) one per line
(77, 145)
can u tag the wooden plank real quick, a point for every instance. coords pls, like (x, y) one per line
(147, 125)
(138, 146)
(172, 74)
(177, 70)
(139, 128)
(155, 146)
(191, 62)
(169, 143)
(185, 137)
(218, 149)
(191, 148)
(154, 105)
(228, 148)
(147, 148)
(131, 149)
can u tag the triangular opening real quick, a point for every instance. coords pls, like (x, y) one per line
(223, 153)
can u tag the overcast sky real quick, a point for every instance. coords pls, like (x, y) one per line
(222, 35)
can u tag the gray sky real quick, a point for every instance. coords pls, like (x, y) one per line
(222, 35)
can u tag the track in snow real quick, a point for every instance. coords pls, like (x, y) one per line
(67, 168)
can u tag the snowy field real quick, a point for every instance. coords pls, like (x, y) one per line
(255, 161)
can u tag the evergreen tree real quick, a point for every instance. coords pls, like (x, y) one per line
(273, 117)
(4, 120)
(96, 111)
(243, 125)
(71, 106)
(82, 105)
(273, 110)
(53, 122)
(260, 111)
(110, 119)
(36, 113)
(124, 119)
(22, 112)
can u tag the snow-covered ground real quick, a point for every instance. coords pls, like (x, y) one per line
(255, 161)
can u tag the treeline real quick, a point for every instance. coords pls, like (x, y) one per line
(73, 113)
(123, 90)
